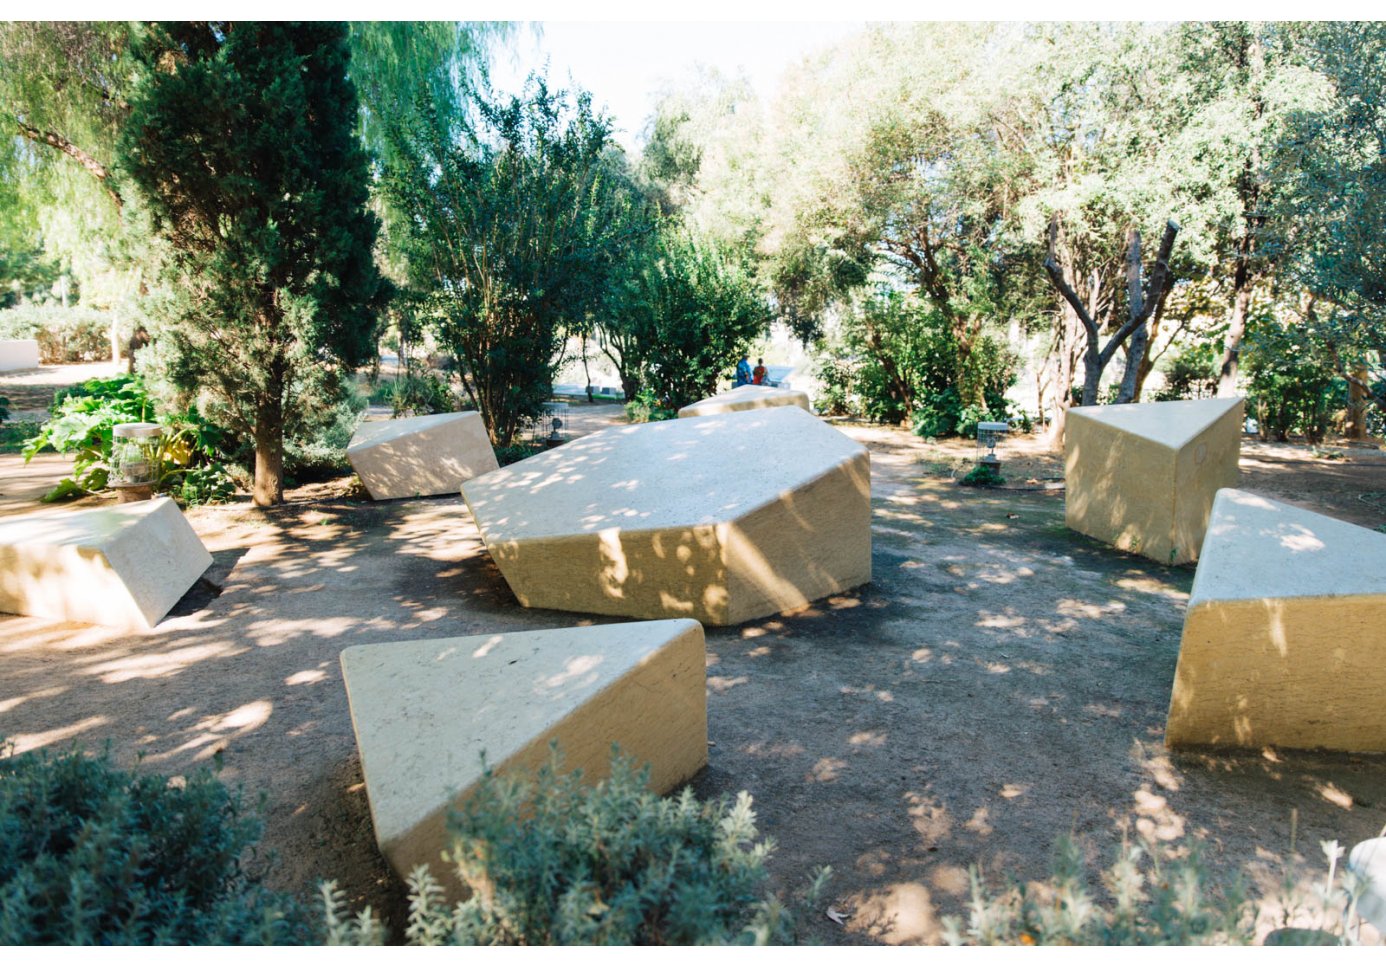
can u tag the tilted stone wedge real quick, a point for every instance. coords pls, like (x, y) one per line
(1141, 476)
(421, 456)
(723, 518)
(123, 566)
(1285, 636)
(750, 397)
(425, 712)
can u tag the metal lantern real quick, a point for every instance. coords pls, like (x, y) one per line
(135, 459)
(549, 426)
(988, 436)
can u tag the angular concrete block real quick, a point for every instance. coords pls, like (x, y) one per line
(421, 456)
(1285, 636)
(723, 518)
(750, 397)
(122, 566)
(425, 712)
(18, 354)
(1141, 476)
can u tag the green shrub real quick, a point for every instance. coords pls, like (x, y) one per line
(1153, 894)
(83, 424)
(72, 335)
(1189, 375)
(4, 409)
(90, 854)
(647, 408)
(983, 475)
(551, 860)
(1291, 386)
(514, 453)
(411, 395)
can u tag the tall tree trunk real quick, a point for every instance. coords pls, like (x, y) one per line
(1356, 427)
(1065, 367)
(269, 450)
(1147, 364)
(1244, 276)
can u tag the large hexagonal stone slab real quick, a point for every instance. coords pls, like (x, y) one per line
(421, 456)
(749, 397)
(123, 566)
(425, 713)
(723, 518)
(1141, 476)
(1285, 636)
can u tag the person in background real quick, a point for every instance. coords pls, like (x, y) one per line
(759, 373)
(743, 373)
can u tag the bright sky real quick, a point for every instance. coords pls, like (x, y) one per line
(626, 65)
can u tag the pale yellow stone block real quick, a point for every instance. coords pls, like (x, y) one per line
(425, 713)
(123, 566)
(723, 518)
(421, 456)
(1285, 634)
(748, 397)
(1141, 476)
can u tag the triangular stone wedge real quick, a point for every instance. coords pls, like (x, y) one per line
(421, 456)
(722, 518)
(1285, 636)
(1141, 476)
(124, 566)
(425, 712)
(749, 397)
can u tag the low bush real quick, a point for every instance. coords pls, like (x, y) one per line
(551, 860)
(647, 408)
(74, 334)
(1153, 894)
(90, 854)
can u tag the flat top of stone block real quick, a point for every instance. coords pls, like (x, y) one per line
(1171, 423)
(425, 711)
(749, 391)
(1257, 548)
(90, 528)
(372, 432)
(668, 474)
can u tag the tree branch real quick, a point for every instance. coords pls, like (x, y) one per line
(98, 170)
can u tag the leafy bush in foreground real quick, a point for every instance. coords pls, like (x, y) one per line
(90, 854)
(550, 860)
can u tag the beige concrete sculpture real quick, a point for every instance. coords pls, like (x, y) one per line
(749, 397)
(123, 566)
(722, 519)
(1141, 476)
(425, 712)
(421, 456)
(1285, 634)
(18, 354)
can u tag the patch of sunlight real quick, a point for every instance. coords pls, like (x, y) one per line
(869, 738)
(1334, 795)
(159, 665)
(826, 770)
(720, 684)
(8, 704)
(898, 914)
(24, 742)
(305, 677)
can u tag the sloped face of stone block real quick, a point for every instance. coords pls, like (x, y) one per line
(1285, 632)
(122, 566)
(421, 456)
(425, 712)
(722, 518)
(1141, 476)
(750, 397)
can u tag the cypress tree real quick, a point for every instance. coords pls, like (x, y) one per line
(241, 139)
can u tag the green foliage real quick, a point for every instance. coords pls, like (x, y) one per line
(1291, 387)
(689, 308)
(241, 138)
(983, 475)
(516, 452)
(514, 212)
(84, 417)
(90, 854)
(316, 448)
(4, 409)
(1189, 375)
(646, 408)
(1156, 894)
(73, 335)
(552, 860)
(411, 394)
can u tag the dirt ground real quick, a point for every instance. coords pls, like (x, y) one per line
(1000, 682)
